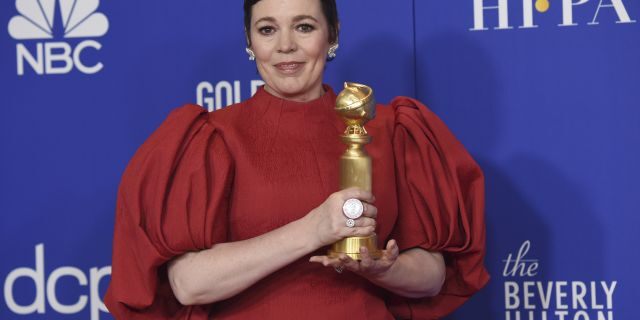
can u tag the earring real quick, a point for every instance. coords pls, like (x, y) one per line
(252, 56)
(332, 51)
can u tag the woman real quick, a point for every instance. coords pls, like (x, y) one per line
(227, 215)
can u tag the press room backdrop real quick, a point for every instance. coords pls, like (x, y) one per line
(545, 95)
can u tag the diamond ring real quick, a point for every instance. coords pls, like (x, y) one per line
(351, 223)
(353, 208)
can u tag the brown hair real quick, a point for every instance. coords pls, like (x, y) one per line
(328, 8)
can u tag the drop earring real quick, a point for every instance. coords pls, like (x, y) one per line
(332, 51)
(252, 56)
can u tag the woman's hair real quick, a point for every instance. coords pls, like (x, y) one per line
(328, 8)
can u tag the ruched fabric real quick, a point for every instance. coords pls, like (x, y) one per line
(205, 178)
(171, 200)
(441, 200)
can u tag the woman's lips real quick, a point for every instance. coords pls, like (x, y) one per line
(289, 67)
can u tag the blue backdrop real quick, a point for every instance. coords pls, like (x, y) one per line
(545, 94)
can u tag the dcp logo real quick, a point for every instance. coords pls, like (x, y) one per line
(49, 19)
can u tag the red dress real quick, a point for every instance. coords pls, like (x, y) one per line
(206, 178)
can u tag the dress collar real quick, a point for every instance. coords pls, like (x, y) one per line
(327, 100)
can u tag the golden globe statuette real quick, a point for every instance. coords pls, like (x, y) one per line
(356, 106)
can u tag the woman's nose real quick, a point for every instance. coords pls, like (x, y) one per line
(287, 43)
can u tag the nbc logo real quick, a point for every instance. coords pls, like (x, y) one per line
(49, 19)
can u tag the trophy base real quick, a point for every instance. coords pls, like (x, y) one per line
(351, 247)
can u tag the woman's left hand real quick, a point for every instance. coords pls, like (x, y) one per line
(367, 266)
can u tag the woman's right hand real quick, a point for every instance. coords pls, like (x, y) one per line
(328, 222)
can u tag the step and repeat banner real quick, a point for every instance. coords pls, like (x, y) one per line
(544, 93)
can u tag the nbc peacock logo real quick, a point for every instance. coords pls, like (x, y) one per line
(72, 20)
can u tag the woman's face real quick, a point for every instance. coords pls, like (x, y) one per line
(290, 41)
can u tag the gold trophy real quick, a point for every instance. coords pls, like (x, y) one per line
(356, 106)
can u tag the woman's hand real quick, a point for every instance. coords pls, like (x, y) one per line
(329, 224)
(367, 266)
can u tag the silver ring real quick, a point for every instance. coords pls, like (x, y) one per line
(339, 269)
(353, 208)
(350, 223)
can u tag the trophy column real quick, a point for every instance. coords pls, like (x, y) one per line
(356, 106)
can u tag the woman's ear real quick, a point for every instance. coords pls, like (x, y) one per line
(247, 37)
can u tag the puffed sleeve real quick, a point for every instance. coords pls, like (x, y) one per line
(441, 207)
(172, 199)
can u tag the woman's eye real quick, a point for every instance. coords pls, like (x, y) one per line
(306, 28)
(266, 30)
